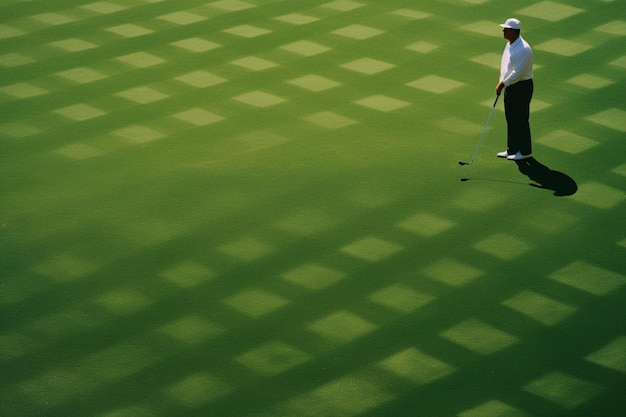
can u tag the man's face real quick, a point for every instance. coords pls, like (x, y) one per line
(508, 34)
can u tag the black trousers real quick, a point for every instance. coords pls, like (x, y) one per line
(517, 111)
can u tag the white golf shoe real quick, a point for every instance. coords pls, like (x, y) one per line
(504, 154)
(518, 156)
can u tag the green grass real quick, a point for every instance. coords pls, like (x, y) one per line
(201, 215)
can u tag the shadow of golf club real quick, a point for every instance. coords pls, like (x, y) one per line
(561, 184)
(492, 180)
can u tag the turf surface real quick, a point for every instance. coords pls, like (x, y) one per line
(253, 208)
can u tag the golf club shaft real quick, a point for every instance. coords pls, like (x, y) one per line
(484, 130)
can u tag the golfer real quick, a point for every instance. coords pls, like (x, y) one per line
(516, 79)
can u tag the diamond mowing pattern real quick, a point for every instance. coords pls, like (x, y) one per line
(342, 326)
(79, 151)
(368, 66)
(382, 103)
(305, 48)
(358, 32)
(82, 75)
(479, 337)
(23, 90)
(272, 358)
(200, 79)
(232, 5)
(551, 11)
(196, 45)
(314, 83)
(343, 5)
(130, 30)
(256, 303)
(7, 32)
(11, 60)
(73, 45)
(80, 112)
(254, 63)
(182, 18)
(53, 19)
(141, 59)
(247, 31)
(260, 99)
(297, 19)
(267, 357)
(103, 7)
(435, 84)
(565, 390)
(329, 120)
(198, 117)
(372, 249)
(142, 95)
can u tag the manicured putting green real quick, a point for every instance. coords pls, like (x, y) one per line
(253, 208)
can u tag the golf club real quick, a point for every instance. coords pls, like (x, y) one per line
(482, 135)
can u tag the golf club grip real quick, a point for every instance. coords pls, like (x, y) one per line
(497, 97)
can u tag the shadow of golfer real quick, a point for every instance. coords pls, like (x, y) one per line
(561, 184)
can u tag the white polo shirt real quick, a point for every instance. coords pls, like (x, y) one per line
(517, 62)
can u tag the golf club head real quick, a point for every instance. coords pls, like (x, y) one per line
(464, 163)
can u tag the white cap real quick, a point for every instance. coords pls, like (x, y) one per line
(512, 23)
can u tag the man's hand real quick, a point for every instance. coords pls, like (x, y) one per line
(499, 88)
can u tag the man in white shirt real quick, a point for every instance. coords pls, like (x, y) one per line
(516, 79)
